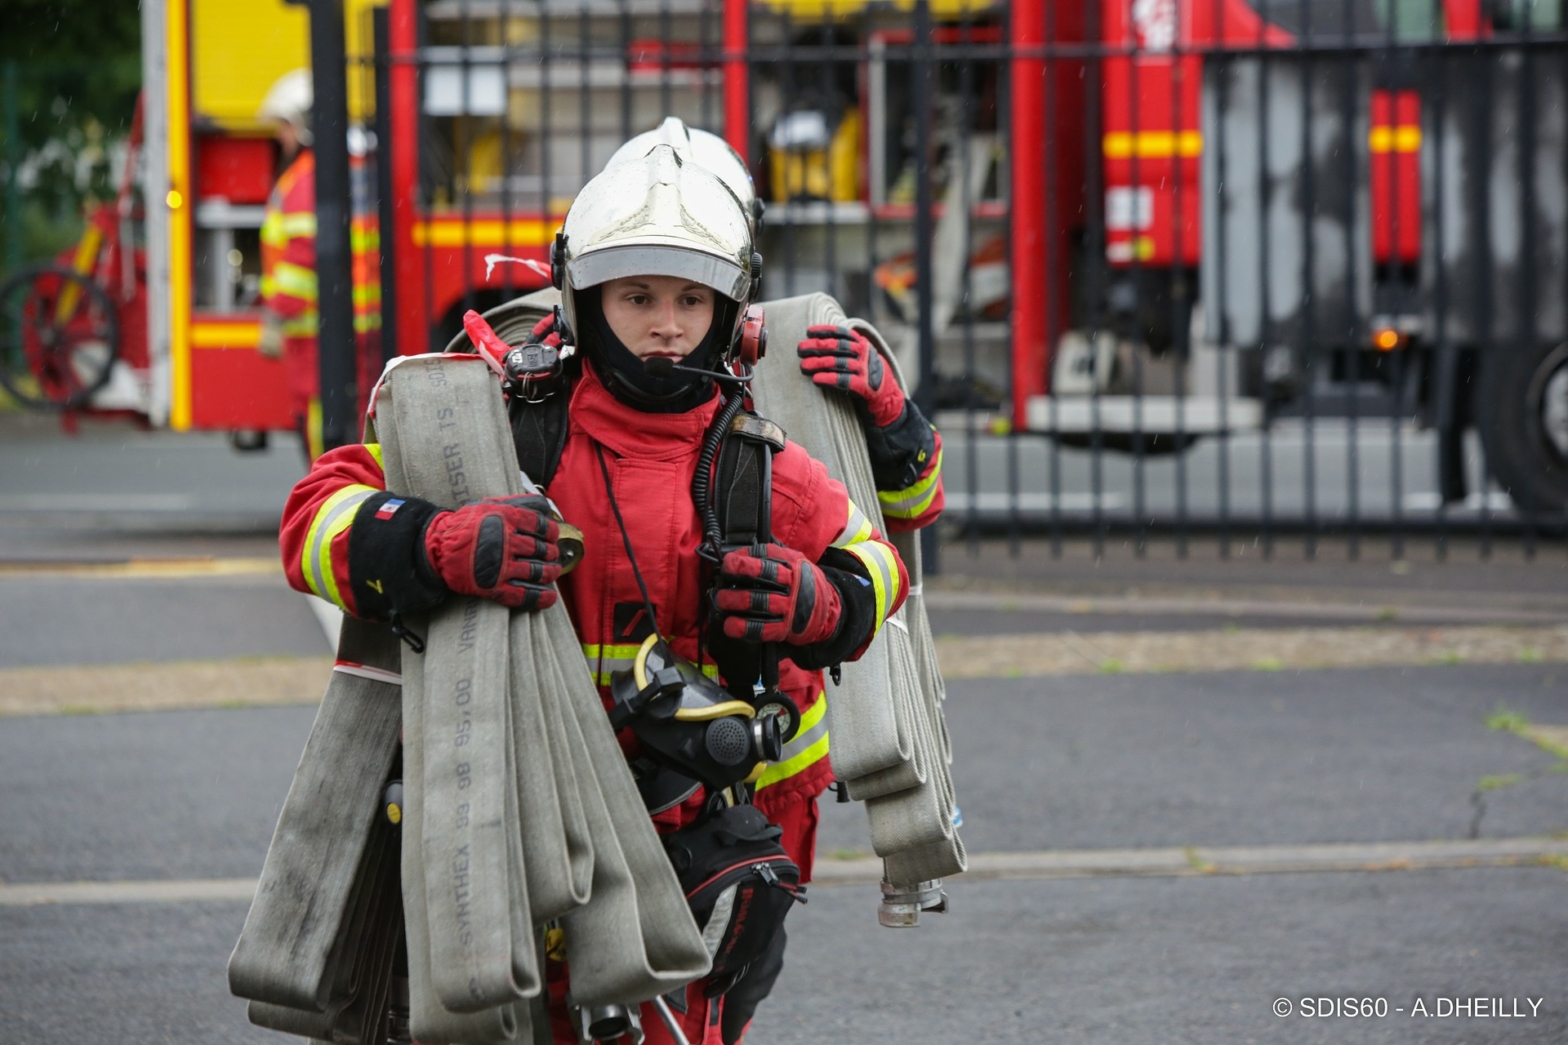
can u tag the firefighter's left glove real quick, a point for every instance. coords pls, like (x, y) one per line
(839, 358)
(501, 548)
(770, 593)
(270, 343)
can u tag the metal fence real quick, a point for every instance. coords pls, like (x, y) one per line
(1232, 269)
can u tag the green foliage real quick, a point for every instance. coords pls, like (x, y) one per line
(77, 70)
(1505, 721)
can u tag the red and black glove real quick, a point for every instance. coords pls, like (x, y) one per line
(501, 548)
(769, 593)
(837, 357)
(545, 332)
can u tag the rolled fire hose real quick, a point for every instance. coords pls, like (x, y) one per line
(519, 807)
(889, 738)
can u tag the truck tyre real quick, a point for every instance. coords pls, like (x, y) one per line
(1521, 411)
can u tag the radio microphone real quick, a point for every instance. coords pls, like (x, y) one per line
(662, 366)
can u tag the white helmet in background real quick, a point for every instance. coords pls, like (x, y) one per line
(703, 148)
(289, 101)
(657, 214)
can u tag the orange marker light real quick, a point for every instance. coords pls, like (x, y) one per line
(1386, 340)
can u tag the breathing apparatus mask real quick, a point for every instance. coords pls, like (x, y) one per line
(688, 723)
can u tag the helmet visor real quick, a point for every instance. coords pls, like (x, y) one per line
(601, 266)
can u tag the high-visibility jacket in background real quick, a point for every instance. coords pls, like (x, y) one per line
(288, 288)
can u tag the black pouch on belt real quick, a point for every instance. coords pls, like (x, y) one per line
(739, 883)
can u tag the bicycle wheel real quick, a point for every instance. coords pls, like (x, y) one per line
(59, 337)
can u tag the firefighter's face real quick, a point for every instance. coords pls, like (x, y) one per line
(658, 315)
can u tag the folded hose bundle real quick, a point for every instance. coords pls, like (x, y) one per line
(318, 944)
(889, 739)
(518, 805)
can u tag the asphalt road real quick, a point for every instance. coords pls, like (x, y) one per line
(1095, 762)
(1243, 758)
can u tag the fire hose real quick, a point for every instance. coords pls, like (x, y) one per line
(890, 742)
(519, 808)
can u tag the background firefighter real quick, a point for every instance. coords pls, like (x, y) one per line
(637, 288)
(288, 255)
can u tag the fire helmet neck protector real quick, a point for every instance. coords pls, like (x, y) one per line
(289, 100)
(655, 216)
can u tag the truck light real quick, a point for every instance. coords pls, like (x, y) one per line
(1387, 340)
(174, 199)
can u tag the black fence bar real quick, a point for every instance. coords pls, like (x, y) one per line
(334, 208)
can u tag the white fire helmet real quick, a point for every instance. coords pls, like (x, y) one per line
(693, 145)
(289, 100)
(658, 215)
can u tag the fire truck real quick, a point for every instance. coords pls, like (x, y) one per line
(1191, 216)
(155, 313)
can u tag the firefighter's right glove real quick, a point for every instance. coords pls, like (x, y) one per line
(839, 358)
(501, 548)
(770, 593)
(270, 344)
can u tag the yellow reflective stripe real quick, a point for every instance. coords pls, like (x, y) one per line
(611, 665)
(857, 529)
(594, 652)
(809, 746)
(272, 229)
(269, 286)
(910, 502)
(1405, 137)
(295, 225)
(302, 325)
(315, 439)
(878, 560)
(605, 660)
(367, 295)
(375, 451)
(365, 324)
(295, 280)
(332, 518)
(363, 239)
(1152, 145)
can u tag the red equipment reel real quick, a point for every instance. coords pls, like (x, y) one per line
(753, 336)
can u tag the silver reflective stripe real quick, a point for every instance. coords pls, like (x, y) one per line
(804, 739)
(869, 552)
(857, 528)
(322, 529)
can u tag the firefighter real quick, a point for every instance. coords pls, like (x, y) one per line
(656, 271)
(288, 255)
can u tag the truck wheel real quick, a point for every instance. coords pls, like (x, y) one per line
(1522, 415)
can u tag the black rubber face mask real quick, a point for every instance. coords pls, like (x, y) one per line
(626, 377)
